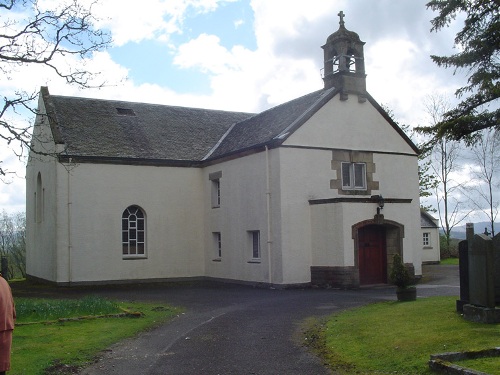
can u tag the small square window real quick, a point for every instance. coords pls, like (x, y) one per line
(354, 176)
(426, 239)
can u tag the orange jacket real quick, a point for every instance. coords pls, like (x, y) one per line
(7, 308)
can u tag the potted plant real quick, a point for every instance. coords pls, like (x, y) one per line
(405, 290)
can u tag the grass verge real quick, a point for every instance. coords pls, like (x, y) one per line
(52, 347)
(486, 365)
(395, 337)
(450, 261)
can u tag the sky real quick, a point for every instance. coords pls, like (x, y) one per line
(248, 55)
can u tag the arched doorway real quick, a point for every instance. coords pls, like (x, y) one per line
(372, 255)
(375, 243)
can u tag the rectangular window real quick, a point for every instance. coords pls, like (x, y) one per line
(255, 243)
(215, 188)
(215, 193)
(354, 176)
(426, 239)
(217, 240)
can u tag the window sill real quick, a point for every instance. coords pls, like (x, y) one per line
(217, 260)
(134, 257)
(428, 247)
(254, 261)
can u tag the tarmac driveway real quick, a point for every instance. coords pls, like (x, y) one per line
(233, 329)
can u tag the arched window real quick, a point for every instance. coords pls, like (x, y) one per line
(39, 199)
(133, 232)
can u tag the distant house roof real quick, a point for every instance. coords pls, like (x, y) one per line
(426, 220)
(129, 132)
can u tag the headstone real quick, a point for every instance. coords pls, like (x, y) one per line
(482, 276)
(481, 271)
(463, 256)
(496, 256)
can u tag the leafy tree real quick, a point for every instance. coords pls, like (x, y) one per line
(31, 35)
(478, 45)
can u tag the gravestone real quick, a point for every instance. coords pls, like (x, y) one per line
(463, 264)
(481, 271)
(482, 287)
(496, 256)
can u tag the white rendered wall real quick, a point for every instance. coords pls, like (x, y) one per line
(98, 195)
(349, 125)
(243, 208)
(41, 232)
(306, 174)
(431, 253)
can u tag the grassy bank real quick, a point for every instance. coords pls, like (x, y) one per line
(58, 336)
(395, 337)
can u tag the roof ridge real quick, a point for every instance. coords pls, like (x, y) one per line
(152, 104)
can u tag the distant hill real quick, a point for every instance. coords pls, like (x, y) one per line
(458, 232)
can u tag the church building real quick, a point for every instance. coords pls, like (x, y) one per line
(319, 190)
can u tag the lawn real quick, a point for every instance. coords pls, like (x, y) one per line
(395, 337)
(44, 343)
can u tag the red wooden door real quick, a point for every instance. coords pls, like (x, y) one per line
(372, 255)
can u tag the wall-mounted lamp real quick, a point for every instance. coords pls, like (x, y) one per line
(380, 201)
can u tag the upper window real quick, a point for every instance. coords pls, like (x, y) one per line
(133, 233)
(426, 239)
(354, 176)
(215, 188)
(215, 193)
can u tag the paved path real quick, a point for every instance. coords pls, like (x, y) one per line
(232, 329)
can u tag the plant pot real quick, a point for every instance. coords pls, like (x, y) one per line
(406, 294)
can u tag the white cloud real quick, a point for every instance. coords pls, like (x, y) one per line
(151, 19)
(284, 64)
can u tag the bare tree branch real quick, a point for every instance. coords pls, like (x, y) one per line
(44, 38)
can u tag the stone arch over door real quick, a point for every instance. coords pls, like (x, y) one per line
(390, 232)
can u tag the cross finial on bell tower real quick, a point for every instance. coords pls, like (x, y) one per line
(341, 15)
(344, 66)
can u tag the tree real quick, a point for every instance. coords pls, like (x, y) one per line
(478, 44)
(33, 36)
(427, 181)
(486, 159)
(13, 242)
(444, 162)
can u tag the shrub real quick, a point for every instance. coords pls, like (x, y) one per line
(399, 274)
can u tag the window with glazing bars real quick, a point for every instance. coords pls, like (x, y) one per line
(133, 232)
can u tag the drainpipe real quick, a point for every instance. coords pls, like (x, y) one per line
(70, 246)
(269, 217)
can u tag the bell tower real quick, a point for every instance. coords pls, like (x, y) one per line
(344, 65)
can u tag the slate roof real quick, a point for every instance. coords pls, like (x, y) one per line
(274, 124)
(94, 128)
(426, 220)
(128, 132)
